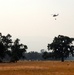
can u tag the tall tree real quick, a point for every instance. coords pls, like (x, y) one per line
(17, 50)
(61, 47)
(5, 42)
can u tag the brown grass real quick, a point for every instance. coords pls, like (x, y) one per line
(37, 68)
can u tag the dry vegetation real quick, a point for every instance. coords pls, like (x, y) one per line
(37, 68)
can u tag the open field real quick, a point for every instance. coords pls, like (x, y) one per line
(37, 68)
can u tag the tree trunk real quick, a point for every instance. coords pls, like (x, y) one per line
(62, 59)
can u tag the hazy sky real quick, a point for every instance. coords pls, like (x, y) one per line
(32, 22)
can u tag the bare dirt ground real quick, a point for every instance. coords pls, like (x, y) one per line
(37, 68)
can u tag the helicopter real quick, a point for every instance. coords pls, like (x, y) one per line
(55, 15)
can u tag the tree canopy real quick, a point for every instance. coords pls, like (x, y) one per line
(14, 49)
(62, 47)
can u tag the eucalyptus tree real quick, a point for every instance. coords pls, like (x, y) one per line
(17, 50)
(14, 49)
(5, 42)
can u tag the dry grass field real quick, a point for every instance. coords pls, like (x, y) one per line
(37, 68)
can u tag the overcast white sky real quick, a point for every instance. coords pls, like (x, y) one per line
(32, 22)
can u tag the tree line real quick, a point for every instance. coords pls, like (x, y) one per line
(61, 46)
